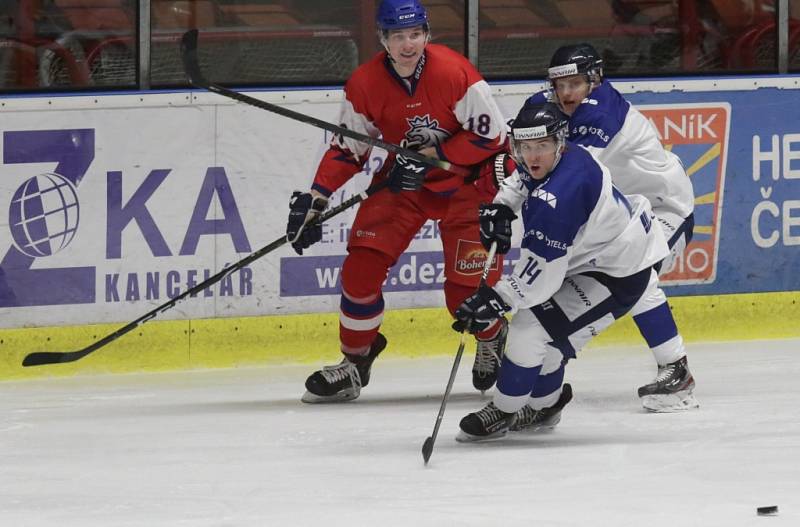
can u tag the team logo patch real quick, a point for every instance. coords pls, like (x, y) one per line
(699, 135)
(534, 132)
(425, 131)
(562, 71)
(545, 196)
(471, 257)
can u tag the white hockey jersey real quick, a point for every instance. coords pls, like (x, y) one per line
(627, 143)
(575, 221)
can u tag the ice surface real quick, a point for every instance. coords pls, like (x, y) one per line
(237, 448)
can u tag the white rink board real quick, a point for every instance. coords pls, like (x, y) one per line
(173, 186)
(162, 166)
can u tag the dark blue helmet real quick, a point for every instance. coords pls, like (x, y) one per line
(538, 121)
(576, 59)
(401, 14)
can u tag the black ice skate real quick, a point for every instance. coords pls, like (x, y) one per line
(485, 424)
(488, 355)
(671, 390)
(530, 420)
(343, 381)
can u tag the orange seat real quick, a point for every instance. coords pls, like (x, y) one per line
(183, 14)
(261, 14)
(93, 15)
(587, 13)
(511, 15)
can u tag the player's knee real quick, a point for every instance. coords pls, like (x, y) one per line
(527, 345)
(652, 297)
(552, 361)
(363, 273)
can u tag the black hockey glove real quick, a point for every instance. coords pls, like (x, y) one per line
(495, 220)
(407, 174)
(303, 230)
(478, 312)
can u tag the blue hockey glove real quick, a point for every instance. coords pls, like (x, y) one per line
(407, 174)
(478, 312)
(302, 229)
(495, 221)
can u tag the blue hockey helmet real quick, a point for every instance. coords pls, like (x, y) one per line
(401, 14)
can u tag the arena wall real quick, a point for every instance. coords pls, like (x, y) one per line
(118, 202)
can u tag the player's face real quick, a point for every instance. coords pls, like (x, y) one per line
(571, 91)
(539, 155)
(406, 47)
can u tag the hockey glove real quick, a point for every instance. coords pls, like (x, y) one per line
(303, 230)
(407, 174)
(478, 312)
(495, 221)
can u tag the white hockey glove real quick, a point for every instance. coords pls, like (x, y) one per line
(302, 229)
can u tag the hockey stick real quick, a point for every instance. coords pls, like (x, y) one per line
(427, 446)
(38, 358)
(192, 66)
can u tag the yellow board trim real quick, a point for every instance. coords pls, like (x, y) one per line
(313, 338)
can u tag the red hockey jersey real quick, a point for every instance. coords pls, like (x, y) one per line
(446, 104)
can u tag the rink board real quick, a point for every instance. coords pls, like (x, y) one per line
(313, 338)
(157, 191)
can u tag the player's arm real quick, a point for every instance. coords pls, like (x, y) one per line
(483, 127)
(534, 280)
(593, 129)
(345, 156)
(341, 162)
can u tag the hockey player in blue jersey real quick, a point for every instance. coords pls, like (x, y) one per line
(615, 132)
(586, 258)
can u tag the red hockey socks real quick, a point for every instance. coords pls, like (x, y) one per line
(361, 308)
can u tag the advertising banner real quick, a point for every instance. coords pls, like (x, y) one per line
(110, 211)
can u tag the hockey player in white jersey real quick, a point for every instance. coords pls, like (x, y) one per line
(624, 140)
(586, 258)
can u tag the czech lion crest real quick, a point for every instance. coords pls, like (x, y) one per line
(425, 131)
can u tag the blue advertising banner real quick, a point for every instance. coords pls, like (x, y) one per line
(756, 228)
(741, 150)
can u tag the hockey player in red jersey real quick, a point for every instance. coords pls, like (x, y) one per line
(426, 97)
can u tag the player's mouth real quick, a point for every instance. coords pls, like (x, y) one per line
(569, 106)
(534, 169)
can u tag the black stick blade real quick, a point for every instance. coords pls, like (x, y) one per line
(427, 449)
(39, 358)
(189, 57)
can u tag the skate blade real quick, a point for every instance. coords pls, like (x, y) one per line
(542, 428)
(668, 403)
(339, 397)
(464, 437)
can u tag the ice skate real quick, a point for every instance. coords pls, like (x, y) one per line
(671, 390)
(487, 359)
(343, 381)
(531, 420)
(485, 424)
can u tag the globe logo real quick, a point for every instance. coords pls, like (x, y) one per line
(44, 215)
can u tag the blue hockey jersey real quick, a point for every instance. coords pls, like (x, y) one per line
(575, 221)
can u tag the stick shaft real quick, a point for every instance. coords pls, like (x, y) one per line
(427, 448)
(189, 54)
(39, 358)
